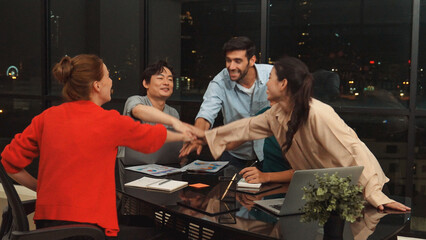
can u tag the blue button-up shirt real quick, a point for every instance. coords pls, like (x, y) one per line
(223, 94)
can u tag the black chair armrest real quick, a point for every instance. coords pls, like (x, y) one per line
(61, 232)
(29, 206)
(6, 222)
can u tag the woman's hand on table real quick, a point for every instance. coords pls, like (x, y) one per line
(394, 206)
(254, 175)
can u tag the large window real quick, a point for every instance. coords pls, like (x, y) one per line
(419, 195)
(386, 137)
(20, 47)
(20, 66)
(190, 35)
(358, 51)
(110, 29)
(15, 115)
(72, 32)
(421, 77)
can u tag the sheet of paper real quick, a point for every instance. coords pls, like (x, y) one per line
(155, 169)
(205, 166)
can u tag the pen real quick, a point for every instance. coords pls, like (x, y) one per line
(159, 182)
(163, 182)
(254, 163)
(229, 185)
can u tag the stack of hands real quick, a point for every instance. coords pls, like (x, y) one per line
(194, 138)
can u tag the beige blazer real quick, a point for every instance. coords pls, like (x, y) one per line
(324, 141)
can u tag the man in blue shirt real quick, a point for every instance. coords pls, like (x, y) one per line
(239, 91)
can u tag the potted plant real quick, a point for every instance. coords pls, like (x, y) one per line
(332, 198)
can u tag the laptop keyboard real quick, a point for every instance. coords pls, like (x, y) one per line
(277, 206)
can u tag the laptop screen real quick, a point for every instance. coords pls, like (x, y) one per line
(167, 154)
(293, 202)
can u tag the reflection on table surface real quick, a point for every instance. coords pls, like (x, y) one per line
(251, 220)
(373, 225)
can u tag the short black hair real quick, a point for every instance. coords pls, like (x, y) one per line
(240, 43)
(155, 68)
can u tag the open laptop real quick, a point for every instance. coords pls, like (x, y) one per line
(167, 154)
(293, 202)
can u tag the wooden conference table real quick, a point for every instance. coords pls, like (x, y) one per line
(248, 222)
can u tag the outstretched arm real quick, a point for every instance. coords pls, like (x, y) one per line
(178, 137)
(233, 145)
(151, 114)
(242, 130)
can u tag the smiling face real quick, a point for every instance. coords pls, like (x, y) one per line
(274, 87)
(238, 64)
(161, 85)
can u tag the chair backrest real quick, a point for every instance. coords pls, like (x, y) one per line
(167, 154)
(20, 221)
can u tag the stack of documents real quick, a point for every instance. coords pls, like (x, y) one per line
(167, 185)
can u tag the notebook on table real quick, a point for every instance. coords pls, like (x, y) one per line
(243, 184)
(166, 185)
(255, 188)
(293, 202)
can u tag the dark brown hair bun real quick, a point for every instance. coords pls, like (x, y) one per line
(77, 74)
(62, 71)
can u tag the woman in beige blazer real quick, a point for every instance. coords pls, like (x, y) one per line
(310, 133)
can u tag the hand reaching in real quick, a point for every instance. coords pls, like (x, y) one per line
(183, 127)
(191, 133)
(195, 144)
(190, 147)
(394, 206)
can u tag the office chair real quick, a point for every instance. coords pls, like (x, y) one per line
(14, 225)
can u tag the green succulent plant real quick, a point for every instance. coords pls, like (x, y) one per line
(332, 194)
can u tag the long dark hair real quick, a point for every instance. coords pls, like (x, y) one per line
(299, 85)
